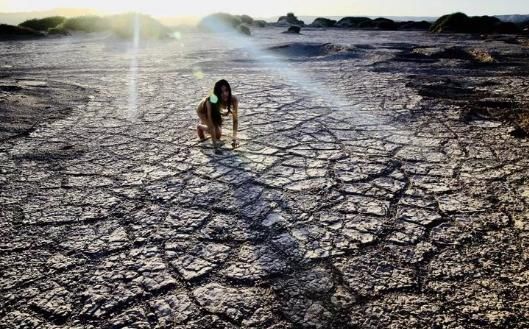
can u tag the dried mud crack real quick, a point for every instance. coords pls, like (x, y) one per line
(404, 206)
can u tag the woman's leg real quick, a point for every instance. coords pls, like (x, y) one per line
(202, 128)
(200, 132)
(218, 132)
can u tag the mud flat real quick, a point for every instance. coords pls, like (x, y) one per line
(26, 103)
(381, 182)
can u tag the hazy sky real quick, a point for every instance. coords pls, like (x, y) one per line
(279, 7)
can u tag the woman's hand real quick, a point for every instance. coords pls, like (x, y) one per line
(235, 143)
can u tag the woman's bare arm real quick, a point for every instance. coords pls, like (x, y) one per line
(235, 114)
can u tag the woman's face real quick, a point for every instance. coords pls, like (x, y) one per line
(224, 94)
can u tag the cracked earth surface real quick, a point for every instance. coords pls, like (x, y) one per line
(384, 211)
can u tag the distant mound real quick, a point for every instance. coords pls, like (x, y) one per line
(461, 23)
(323, 22)
(289, 19)
(222, 22)
(353, 22)
(259, 23)
(380, 23)
(219, 21)
(149, 28)
(245, 19)
(43, 24)
(15, 18)
(10, 32)
(87, 24)
(249, 21)
(122, 25)
(384, 24)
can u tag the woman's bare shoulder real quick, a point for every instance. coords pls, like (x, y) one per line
(204, 100)
(234, 99)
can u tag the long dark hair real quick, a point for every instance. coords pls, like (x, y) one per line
(215, 107)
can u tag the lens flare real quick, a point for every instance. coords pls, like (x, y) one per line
(198, 73)
(176, 35)
(213, 99)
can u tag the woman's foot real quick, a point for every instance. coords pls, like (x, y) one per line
(200, 134)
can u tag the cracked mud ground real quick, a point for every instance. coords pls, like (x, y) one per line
(404, 206)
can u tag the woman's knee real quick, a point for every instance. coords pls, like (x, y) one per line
(203, 119)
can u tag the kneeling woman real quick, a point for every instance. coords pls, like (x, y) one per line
(211, 110)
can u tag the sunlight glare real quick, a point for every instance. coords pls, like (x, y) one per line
(133, 71)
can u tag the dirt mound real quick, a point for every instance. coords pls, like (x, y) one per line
(10, 32)
(476, 55)
(301, 49)
(461, 23)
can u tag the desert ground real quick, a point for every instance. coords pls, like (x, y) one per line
(381, 182)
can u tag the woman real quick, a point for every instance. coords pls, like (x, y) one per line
(211, 110)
